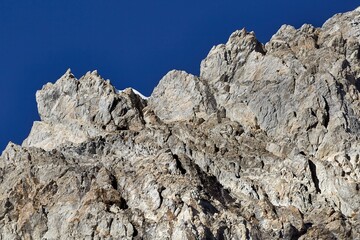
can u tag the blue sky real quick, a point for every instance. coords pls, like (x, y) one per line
(133, 43)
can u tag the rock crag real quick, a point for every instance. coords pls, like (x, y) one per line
(264, 144)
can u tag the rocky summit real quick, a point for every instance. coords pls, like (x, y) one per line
(264, 144)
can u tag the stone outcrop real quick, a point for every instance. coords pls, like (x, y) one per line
(73, 110)
(264, 144)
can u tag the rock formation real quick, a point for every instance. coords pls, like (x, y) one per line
(264, 144)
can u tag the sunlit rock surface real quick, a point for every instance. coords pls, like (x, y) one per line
(264, 144)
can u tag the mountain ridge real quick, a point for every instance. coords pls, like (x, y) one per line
(262, 145)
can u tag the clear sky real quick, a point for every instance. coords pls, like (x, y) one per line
(133, 43)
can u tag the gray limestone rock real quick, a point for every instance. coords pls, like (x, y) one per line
(263, 145)
(74, 110)
(189, 93)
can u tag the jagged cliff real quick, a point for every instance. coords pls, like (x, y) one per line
(264, 144)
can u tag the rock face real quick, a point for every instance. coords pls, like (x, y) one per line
(75, 111)
(263, 145)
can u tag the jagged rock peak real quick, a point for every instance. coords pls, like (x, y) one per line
(74, 110)
(264, 144)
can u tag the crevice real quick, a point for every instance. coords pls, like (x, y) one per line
(255, 191)
(114, 104)
(44, 211)
(113, 182)
(312, 112)
(312, 126)
(302, 153)
(224, 78)
(314, 177)
(326, 117)
(208, 234)
(168, 136)
(302, 231)
(220, 232)
(340, 90)
(123, 204)
(226, 57)
(179, 164)
(111, 220)
(121, 128)
(213, 188)
(247, 232)
(207, 207)
(216, 149)
(135, 233)
(160, 190)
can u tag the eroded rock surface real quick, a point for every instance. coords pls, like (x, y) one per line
(264, 144)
